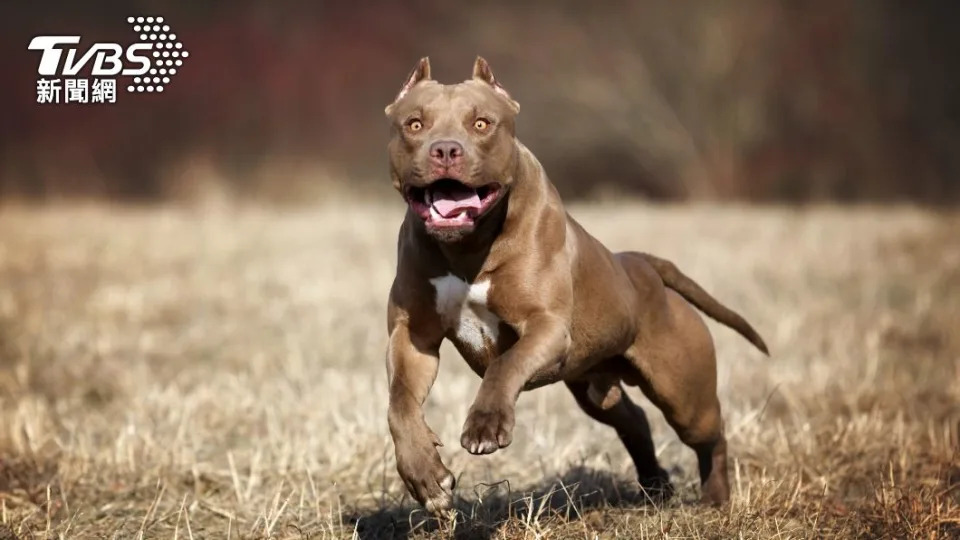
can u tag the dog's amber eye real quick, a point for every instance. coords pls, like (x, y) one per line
(415, 125)
(481, 124)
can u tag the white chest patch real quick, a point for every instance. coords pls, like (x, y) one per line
(463, 308)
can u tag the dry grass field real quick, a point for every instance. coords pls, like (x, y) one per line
(170, 373)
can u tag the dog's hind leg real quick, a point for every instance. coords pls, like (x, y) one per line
(676, 368)
(679, 377)
(607, 403)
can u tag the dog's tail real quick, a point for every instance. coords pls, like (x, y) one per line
(675, 279)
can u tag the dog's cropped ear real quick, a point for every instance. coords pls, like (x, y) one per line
(482, 72)
(421, 72)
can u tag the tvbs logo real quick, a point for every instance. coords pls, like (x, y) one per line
(151, 62)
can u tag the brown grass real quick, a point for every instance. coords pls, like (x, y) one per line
(170, 373)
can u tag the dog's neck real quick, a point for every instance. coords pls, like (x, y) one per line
(465, 258)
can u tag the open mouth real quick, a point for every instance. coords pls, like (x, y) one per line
(451, 203)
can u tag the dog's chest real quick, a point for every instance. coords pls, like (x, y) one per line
(464, 310)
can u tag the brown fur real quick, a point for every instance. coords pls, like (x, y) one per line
(569, 309)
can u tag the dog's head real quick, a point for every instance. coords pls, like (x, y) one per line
(453, 149)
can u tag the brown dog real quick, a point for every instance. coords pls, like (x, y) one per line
(489, 259)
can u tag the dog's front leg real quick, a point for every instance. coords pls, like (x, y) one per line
(412, 371)
(544, 340)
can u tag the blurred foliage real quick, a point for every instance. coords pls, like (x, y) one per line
(739, 99)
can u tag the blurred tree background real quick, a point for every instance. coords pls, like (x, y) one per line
(755, 100)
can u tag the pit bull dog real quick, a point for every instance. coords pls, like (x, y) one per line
(489, 259)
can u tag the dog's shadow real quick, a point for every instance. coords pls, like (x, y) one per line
(483, 512)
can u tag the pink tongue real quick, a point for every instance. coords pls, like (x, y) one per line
(449, 203)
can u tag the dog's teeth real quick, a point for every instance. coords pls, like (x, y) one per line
(433, 213)
(427, 198)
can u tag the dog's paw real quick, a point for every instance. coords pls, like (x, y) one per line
(715, 492)
(428, 480)
(656, 487)
(441, 501)
(486, 430)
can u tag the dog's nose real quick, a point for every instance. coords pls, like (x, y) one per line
(446, 152)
